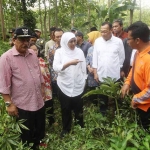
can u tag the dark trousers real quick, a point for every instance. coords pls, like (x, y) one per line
(103, 103)
(50, 111)
(35, 122)
(55, 89)
(93, 98)
(144, 118)
(69, 104)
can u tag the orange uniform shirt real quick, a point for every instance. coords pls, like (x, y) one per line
(141, 78)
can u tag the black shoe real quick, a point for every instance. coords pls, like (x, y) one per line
(63, 133)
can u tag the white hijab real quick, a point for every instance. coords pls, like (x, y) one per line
(66, 37)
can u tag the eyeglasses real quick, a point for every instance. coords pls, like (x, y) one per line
(128, 39)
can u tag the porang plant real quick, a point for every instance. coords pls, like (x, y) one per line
(10, 130)
(118, 130)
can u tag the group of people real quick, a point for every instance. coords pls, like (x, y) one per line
(29, 83)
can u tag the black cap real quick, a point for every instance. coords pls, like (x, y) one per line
(78, 33)
(73, 29)
(22, 32)
(34, 35)
(12, 30)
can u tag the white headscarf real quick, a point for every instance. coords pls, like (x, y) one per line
(66, 37)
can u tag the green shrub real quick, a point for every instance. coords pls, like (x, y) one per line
(4, 46)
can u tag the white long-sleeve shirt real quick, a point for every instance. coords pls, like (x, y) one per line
(71, 81)
(108, 57)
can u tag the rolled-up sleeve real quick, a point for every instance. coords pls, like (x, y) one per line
(121, 54)
(57, 65)
(5, 75)
(95, 55)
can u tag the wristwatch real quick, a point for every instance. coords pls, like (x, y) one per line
(7, 104)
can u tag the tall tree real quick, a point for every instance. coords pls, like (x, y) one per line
(2, 21)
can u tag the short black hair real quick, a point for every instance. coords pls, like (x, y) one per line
(57, 29)
(52, 29)
(118, 21)
(139, 30)
(93, 29)
(107, 23)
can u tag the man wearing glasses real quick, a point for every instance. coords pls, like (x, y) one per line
(139, 76)
(22, 87)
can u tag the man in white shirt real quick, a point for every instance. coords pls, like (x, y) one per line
(108, 58)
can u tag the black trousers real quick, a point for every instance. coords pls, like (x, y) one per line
(35, 122)
(69, 104)
(55, 89)
(144, 118)
(50, 111)
(93, 98)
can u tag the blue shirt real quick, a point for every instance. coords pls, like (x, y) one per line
(89, 59)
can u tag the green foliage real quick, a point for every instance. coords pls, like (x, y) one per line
(4, 46)
(10, 130)
(116, 131)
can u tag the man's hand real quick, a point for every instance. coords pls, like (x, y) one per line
(122, 74)
(91, 70)
(134, 104)
(96, 77)
(124, 90)
(12, 110)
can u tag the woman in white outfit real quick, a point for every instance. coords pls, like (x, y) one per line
(69, 62)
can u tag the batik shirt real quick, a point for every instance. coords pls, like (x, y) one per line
(47, 81)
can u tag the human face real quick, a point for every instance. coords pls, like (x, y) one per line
(38, 33)
(79, 39)
(72, 43)
(21, 44)
(106, 32)
(33, 40)
(116, 27)
(58, 35)
(33, 47)
(133, 43)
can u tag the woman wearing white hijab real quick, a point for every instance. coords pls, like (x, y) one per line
(69, 62)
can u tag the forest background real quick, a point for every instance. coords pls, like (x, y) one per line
(66, 14)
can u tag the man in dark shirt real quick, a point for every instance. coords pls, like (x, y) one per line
(118, 29)
(81, 43)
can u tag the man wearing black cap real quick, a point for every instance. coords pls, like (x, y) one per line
(22, 87)
(81, 43)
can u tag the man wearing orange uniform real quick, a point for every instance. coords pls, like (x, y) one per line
(139, 76)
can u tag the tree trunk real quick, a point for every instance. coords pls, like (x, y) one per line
(24, 10)
(45, 13)
(56, 12)
(132, 12)
(72, 13)
(40, 16)
(89, 13)
(49, 14)
(2, 22)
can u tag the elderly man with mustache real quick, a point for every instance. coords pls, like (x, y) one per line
(21, 87)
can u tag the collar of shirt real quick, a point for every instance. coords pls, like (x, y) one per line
(109, 39)
(141, 54)
(16, 53)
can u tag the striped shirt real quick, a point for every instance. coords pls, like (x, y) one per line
(21, 78)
